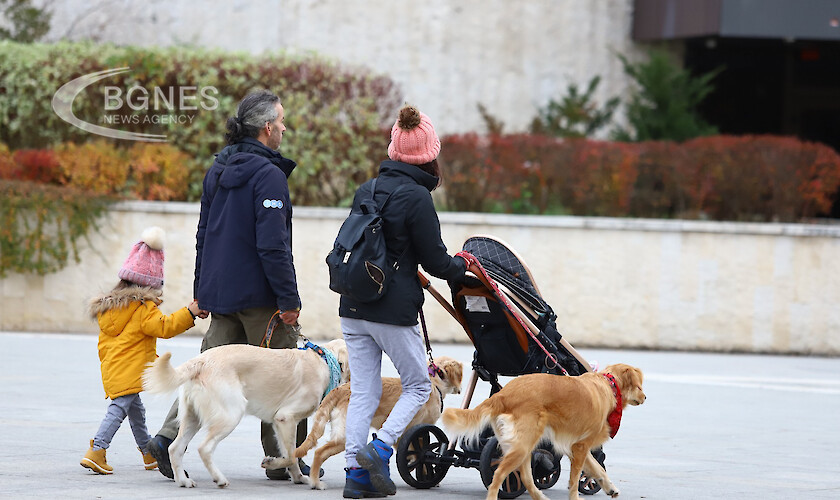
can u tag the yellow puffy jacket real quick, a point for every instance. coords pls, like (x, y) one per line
(129, 325)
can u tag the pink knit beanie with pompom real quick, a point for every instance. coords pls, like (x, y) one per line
(144, 265)
(413, 138)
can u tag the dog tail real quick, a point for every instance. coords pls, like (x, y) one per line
(320, 419)
(468, 423)
(162, 378)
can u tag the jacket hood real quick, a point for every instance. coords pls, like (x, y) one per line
(112, 306)
(391, 167)
(238, 168)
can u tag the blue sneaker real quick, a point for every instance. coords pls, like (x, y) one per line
(358, 485)
(374, 458)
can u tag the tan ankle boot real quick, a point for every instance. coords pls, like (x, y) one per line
(95, 461)
(148, 460)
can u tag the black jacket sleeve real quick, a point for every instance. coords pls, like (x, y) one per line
(424, 231)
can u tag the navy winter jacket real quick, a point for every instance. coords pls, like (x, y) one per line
(244, 239)
(411, 225)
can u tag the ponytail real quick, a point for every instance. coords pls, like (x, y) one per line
(253, 113)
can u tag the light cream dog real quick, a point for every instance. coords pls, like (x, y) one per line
(334, 410)
(571, 412)
(223, 384)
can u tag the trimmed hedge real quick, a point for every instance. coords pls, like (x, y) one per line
(146, 171)
(748, 178)
(337, 117)
(338, 120)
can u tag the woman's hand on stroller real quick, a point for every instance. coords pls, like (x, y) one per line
(456, 282)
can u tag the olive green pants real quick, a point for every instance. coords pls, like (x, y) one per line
(243, 327)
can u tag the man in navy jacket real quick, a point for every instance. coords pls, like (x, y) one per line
(244, 271)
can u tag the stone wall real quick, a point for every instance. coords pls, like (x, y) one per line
(446, 55)
(629, 283)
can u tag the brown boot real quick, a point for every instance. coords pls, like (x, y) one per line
(148, 460)
(95, 461)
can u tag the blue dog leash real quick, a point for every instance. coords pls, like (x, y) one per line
(330, 360)
(327, 356)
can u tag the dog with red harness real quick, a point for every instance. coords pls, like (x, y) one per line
(577, 414)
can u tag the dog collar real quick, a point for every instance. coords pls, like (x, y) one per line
(614, 418)
(332, 364)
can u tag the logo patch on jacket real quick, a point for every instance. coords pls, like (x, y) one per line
(272, 203)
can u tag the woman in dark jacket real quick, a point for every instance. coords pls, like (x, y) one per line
(412, 235)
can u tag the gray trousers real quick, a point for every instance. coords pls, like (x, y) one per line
(366, 341)
(129, 405)
(243, 327)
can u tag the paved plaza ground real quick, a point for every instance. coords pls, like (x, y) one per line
(714, 426)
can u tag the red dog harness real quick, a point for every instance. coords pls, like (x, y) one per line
(614, 418)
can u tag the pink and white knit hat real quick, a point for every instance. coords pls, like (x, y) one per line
(413, 138)
(144, 265)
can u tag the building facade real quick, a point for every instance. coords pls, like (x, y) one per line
(446, 55)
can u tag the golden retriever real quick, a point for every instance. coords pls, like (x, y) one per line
(571, 412)
(333, 409)
(223, 384)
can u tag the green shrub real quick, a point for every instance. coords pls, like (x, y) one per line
(664, 104)
(338, 117)
(575, 115)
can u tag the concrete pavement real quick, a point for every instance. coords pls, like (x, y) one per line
(714, 426)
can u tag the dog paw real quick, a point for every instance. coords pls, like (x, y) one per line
(221, 481)
(186, 483)
(272, 463)
(609, 488)
(318, 485)
(276, 463)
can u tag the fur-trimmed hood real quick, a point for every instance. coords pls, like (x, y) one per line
(121, 298)
(115, 309)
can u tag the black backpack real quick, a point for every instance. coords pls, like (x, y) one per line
(358, 262)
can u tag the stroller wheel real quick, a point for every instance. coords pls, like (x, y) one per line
(491, 455)
(545, 466)
(418, 456)
(588, 486)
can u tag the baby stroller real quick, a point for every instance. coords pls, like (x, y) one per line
(514, 333)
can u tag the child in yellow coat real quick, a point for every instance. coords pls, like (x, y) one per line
(129, 325)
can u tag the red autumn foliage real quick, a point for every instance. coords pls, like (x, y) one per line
(750, 178)
(38, 165)
(755, 178)
(144, 171)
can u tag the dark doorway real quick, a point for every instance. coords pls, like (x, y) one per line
(772, 86)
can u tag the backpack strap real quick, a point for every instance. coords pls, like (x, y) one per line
(366, 209)
(372, 208)
(379, 209)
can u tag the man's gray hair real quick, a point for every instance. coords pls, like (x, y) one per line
(252, 114)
